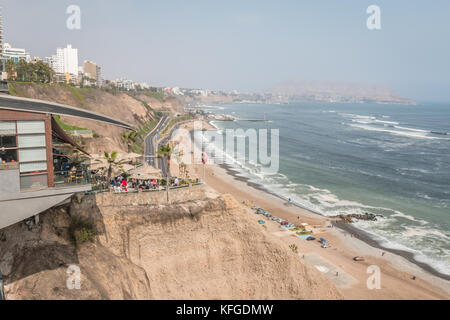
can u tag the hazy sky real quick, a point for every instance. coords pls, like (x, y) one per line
(247, 45)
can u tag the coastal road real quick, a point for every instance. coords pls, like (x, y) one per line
(150, 148)
(162, 163)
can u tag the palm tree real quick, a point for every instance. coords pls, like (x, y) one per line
(165, 153)
(113, 163)
(129, 138)
(11, 70)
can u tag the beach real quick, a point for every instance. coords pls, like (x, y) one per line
(399, 277)
(396, 272)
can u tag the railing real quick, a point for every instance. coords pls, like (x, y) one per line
(72, 178)
(98, 189)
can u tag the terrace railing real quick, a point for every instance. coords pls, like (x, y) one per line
(72, 178)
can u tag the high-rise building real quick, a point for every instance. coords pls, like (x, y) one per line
(68, 60)
(64, 61)
(1, 33)
(93, 71)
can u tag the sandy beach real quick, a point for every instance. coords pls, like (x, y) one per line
(399, 278)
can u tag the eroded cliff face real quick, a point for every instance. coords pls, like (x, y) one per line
(35, 262)
(205, 248)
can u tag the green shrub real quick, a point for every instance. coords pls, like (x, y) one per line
(82, 230)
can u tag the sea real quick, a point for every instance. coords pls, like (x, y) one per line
(344, 158)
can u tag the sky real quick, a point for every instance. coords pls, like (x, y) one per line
(247, 45)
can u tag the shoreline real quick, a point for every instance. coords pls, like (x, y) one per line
(349, 228)
(401, 279)
(397, 269)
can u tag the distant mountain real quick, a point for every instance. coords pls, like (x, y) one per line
(336, 92)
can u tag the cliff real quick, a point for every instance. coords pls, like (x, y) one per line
(207, 247)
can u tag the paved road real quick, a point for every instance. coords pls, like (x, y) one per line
(150, 148)
(23, 104)
(162, 163)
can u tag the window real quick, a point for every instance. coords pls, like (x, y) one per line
(7, 156)
(8, 142)
(29, 141)
(25, 142)
(27, 127)
(32, 155)
(7, 128)
(33, 181)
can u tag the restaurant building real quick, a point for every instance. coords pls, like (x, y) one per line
(40, 165)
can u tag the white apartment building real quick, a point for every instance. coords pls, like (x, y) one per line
(15, 54)
(64, 61)
(124, 84)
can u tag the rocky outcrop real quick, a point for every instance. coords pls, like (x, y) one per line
(35, 264)
(349, 218)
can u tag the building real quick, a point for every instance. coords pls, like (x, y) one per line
(65, 61)
(124, 84)
(3, 74)
(1, 34)
(15, 54)
(37, 169)
(93, 71)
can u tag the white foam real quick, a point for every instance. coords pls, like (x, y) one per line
(417, 135)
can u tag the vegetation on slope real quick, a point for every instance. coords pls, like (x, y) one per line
(174, 121)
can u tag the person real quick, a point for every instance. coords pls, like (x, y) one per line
(125, 185)
(176, 182)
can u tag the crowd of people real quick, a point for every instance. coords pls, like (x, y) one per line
(122, 184)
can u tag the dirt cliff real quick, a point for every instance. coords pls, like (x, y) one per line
(205, 248)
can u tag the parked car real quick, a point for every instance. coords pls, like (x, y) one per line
(284, 223)
(268, 215)
(326, 245)
(310, 239)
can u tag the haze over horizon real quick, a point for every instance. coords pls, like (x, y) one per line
(248, 46)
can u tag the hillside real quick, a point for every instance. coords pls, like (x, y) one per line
(119, 105)
(337, 92)
(203, 246)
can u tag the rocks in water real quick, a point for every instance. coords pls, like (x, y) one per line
(348, 218)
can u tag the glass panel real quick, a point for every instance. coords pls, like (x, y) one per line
(7, 127)
(32, 182)
(30, 127)
(8, 142)
(7, 156)
(37, 154)
(37, 140)
(33, 167)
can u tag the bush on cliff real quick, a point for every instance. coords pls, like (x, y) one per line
(82, 230)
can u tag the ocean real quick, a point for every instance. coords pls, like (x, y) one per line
(337, 158)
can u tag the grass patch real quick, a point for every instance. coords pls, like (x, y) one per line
(14, 90)
(138, 145)
(66, 127)
(75, 91)
(156, 95)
